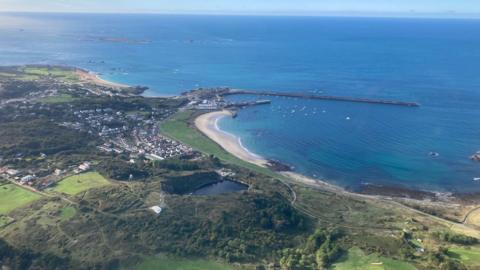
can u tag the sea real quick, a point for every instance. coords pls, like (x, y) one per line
(435, 62)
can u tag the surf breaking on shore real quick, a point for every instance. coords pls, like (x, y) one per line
(207, 124)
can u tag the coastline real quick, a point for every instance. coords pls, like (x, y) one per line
(207, 124)
(92, 77)
(410, 200)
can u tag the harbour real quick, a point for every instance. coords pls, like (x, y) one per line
(322, 97)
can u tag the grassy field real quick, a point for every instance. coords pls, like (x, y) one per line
(180, 264)
(178, 128)
(469, 256)
(12, 197)
(77, 183)
(5, 74)
(67, 213)
(62, 98)
(34, 73)
(357, 260)
(65, 75)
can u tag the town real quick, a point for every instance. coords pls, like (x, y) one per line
(121, 123)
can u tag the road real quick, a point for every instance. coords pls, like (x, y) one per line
(462, 226)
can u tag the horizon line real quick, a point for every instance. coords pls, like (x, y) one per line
(346, 14)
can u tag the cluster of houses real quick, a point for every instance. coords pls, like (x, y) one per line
(205, 104)
(85, 166)
(153, 147)
(104, 122)
(29, 178)
(206, 99)
(135, 134)
(23, 178)
(158, 147)
(17, 175)
(226, 173)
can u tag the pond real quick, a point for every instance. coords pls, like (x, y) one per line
(220, 188)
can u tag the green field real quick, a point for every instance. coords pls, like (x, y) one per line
(5, 74)
(357, 260)
(67, 213)
(31, 73)
(12, 197)
(178, 128)
(180, 264)
(64, 74)
(77, 183)
(62, 98)
(469, 256)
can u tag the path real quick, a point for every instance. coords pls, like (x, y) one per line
(469, 213)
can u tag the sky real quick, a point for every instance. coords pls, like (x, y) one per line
(273, 7)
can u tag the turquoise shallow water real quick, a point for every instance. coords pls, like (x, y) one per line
(433, 62)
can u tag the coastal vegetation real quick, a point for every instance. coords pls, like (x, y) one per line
(320, 251)
(356, 259)
(367, 223)
(155, 263)
(469, 256)
(32, 136)
(456, 238)
(102, 216)
(27, 259)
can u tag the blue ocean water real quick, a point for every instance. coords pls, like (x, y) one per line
(431, 61)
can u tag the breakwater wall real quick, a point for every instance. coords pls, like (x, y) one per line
(322, 97)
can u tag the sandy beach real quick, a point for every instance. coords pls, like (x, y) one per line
(207, 124)
(91, 77)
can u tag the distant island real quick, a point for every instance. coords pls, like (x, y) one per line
(93, 175)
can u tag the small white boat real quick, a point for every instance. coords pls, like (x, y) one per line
(476, 179)
(347, 118)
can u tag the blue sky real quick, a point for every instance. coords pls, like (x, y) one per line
(280, 7)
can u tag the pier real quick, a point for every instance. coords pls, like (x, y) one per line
(247, 104)
(322, 97)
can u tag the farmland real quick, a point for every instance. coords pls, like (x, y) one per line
(12, 197)
(77, 183)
